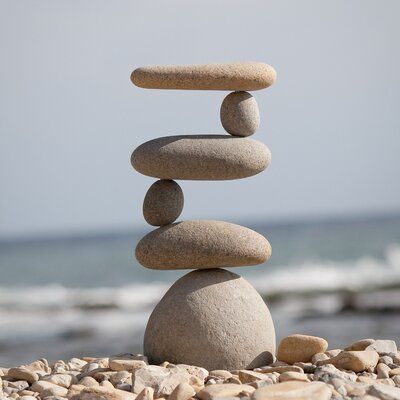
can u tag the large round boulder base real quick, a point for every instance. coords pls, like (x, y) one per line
(213, 319)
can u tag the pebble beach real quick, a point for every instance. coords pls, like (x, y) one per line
(304, 369)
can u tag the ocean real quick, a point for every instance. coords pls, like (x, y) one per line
(87, 296)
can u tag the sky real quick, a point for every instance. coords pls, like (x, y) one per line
(70, 117)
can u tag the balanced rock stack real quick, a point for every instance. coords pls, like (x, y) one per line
(210, 317)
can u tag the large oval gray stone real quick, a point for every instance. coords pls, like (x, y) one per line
(201, 157)
(213, 319)
(202, 245)
(227, 76)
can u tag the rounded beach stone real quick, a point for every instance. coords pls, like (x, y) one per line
(163, 203)
(201, 157)
(300, 348)
(239, 114)
(200, 245)
(227, 76)
(213, 319)
(356, 361)
(294, 390)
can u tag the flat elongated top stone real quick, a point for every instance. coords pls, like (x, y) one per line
(226, 76)
(202, 245)
(201, 157)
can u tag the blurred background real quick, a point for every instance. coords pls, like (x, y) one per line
(70, 203)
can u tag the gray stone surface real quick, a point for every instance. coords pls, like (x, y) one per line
(226, 76)
(239, 114)
(200, 245)
(213, 319)
(163, 203)
(201, 157)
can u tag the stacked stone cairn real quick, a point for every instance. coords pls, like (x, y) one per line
(210, 317)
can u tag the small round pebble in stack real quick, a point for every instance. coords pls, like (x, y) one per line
(210, 317)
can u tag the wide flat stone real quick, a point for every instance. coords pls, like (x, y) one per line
(201, 157)
(200, 245)
(227, 76)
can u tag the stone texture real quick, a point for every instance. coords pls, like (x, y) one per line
(383, 347)
(202, 245)
(201, 157)
(359, 345)
(226, 76)
(214, 319)
(300, 348)
(64, 380)
(384, 392)
(224, 390)
(239, 114)
(293, 390)
(356, 361)
(182, 392)
(126, 362)
(78, 392)
(292, 376)
(162, 380)
(163, 203)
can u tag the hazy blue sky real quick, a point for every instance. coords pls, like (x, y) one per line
(70, 118)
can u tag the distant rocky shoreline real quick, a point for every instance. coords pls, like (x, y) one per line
(302, 369)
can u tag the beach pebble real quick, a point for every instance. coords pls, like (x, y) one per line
(45, 389)
(64, 380)
(294, 389)
(396, 380)
(99, 393)
(193, 371)
(382, 371)
(300, 348)
(163, 203)
(106, 384)
(224, 390)
(216, 301)
(280, 370)
(239, 114)
(383, 347)
(162, 380)
(23, 374)
(293, 376)
(201, 157)
(201, 245)
(126, 363)
(146, 394)
(359, 345)
(121, 377)
(182, 392)
(88, 381)
(247, 376)
(76, 364)
(319, 357)
(225, 76)
(220, 374)
(356, 361)
(384, 392)
(328, 372)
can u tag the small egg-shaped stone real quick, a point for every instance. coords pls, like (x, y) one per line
(239, 114)
(163, 203)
